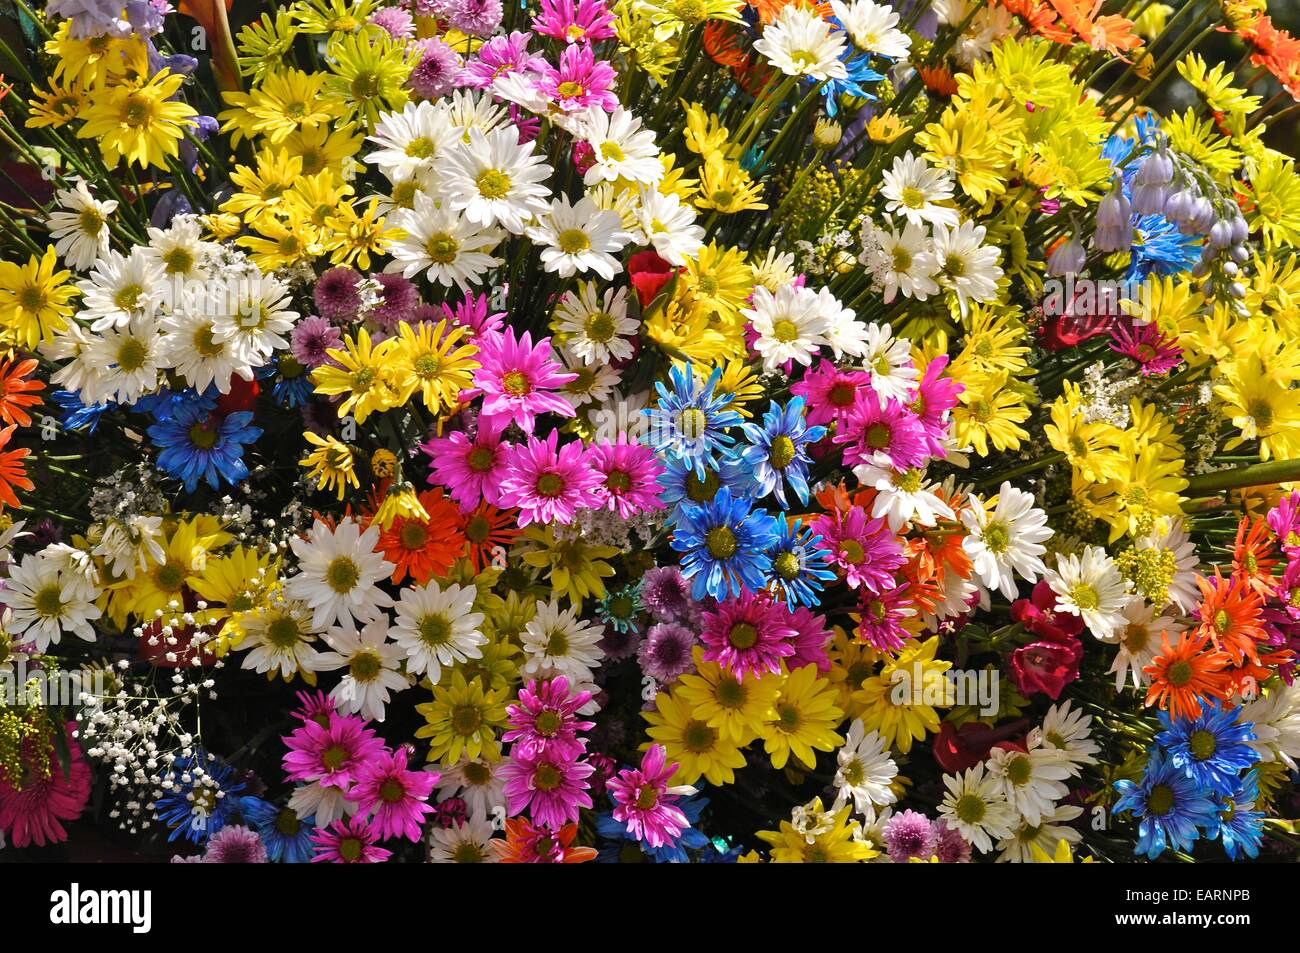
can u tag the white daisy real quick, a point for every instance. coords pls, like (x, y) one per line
(1007, 541)
(902, 497)
(47, 602)
(845, 334)
(467, 109)
(1051, 829)
(1276, 717)
(800, 43)
(256, 320)
(1139, 641)
(409, 141)
(889, 359)
(464, 842)
(910, 265)
(120, 289)
(437, 627)
(192, 350)
(667, 224)
(131, 544)
(1091, 587)
(791, 325)
(278, 638)
(1068, 731)
(966, 265)
(621, 148)
(579, 238)
(774, 269)
(325, 803)
(1031, 780)
(915, 190)
(557, 642)
(975, 806)
(493, 180)
(123, 363)
(7, 536)
(371, 661)
(595, 328)
(338, 572)
(477, 782)
(182, 253)
(446, 246)
(593, 384)
(873, 28)
(1182, 591)
(80, 226)
(866, 771)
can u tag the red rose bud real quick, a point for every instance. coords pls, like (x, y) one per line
(242, 396)
(648, 274)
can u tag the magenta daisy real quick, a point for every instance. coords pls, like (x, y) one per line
(549, 485)
(1145, 344)
(517, 379)
(545, 719)
(472, 312)
(333, 754)
(747, 636)
(351, 841)
(550, 787)
(665, 653)
(644, 801)
(34, 814)
(501, 56)
(890, 435)
(829, 392)
(397, 796)
(863, 548)
(580, 82)
(936, 396)
(883, 615)
(630, 474)
(471, 470)
(585, 22)
(811, 637)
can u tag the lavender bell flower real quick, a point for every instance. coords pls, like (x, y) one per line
(1114, 222)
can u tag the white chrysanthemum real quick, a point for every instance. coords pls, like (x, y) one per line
(464, 842)
(338, 574)
(1051, 829)
(975, 806)
(437, 627)
(278, 638)
(47, 602)
(873, 28)
(1031, 780)
(121, 288)
(191, 348)
(256, 319)
(493, 180)
(889, 360)
(966, 265)
(410, 141)
(446, 246)
(79, 227)
(1007, 541)
(866, 772)
(622, 149)
(1139, 641)
(596, 328)
(557, 642)
(800, 43)
(915, 190)
(371, 662)
(668, 225)
(579, 238)
(791, 325)
(1276, 717)
(1091, 587)
(910, 264)
(123, 363)
(902, 497)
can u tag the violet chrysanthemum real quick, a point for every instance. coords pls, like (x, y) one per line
(667, 594)
(336, 294)
(545, 719)
(631, 477)
(397, 796)
(475, 17)
(518, 379)
(748, 635)
(547, 484)
(394, 21)
(665, 652)
(398, 298)
(645, 802)
(235, 844)
(952, 848)
(909, 835)
(617, 644)
(551, 788)
(311, 339)
(437, 71)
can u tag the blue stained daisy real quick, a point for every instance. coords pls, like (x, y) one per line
(690, 421)
(75, 414)
(1212, 748)
(859, 72)
(724, 545)
(628, 849)
(1240, 826)
(196, 445)
(799, 564)
(1159, 246)
(680, 486)
(287, 836)
(778, 450)
(1172, 809)
(197, 807)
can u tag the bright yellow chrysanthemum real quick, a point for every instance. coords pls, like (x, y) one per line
(822, 837)
(900, 701)
(332, 464)
(462, 720)
(804, 717)
(138, 123)
(574, 567)
(989, 414)
(738, 708)
(434, 361)
(34, 300)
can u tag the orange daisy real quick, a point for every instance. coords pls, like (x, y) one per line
(488, 532)
(1232, 615)
(1114, 34)
(938, 80)
(17, 392)
(423, 548)
(1253, 556)
(1183, 674)
(525, 843)
(722, 43)
(13, 472)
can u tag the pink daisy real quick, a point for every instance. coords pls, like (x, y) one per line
(936, 396)
(580, 82)
(397, 796)
(545, 720)
(517, 379)
(472, 470)
(315, 706)
(587, 22)
(350, 841)
(864, 549)
(550, 787)
(333, 754)
(811, 637)
(890, 433)
(34, 814)
(631, 477)
(829, 392)
(644, 801)
(1154, 353)
(501, 56)
(746, 635)
(549, 486)
(883, 615)
(472, 312)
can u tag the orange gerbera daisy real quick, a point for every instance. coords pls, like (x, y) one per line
(489, 532)
(1114, 34)
(423, 548)
(1253, 556)
(13, 472)
(1184, 674)
(769, 10)
(722, 43)
(526, 843)
(1040, 18)
(1231, 615)
(17, 392)
(938, 80)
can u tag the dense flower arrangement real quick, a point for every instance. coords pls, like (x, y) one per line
(670, 430)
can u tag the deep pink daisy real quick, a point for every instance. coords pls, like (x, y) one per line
(936, 396)
(548, 486)
(863, 548)
(630, 474)
(811, 637)
(472, 312)
(747, 635)
(471, 470)
(1145, 344)
(397, 796)
(501, 56)
(829, 392)
(580, 82)
(585, 22)
(349, 841)
(333, 754)
(545, 720)
(890, 435)
(34, 814)
(517, 379)
(644, 801)
(550, 787)
(883, 615)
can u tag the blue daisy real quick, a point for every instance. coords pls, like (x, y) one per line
(799, 564)
(1172, 808)
(287, 836)
(196, 445)
(680, 486)
(859, 72)
(724, 545)
(75, 415)
(196, 809)
(1240, 826)
(777, 454)
(1213, 748)
(627, 849)
(690, 421)
(1159, 246)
